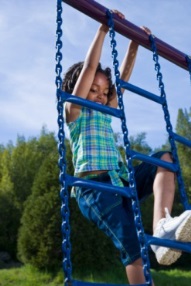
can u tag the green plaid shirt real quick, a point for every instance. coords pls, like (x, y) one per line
(94, 147)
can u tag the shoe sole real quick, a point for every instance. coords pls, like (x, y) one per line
(183, 232)
(167, 256)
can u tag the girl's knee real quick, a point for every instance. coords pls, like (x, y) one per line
(167, 157)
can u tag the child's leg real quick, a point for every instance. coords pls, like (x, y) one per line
(164, 226)
(135, 272)
(164, 190)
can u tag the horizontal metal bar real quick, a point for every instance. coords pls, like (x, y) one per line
(184, 246)
(94, 283)
(152, 160)
(142, 92)
(98, 12)
(90, 104)
(79, 182)
(182, 140)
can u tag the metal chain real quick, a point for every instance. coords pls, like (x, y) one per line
(188, 60)
(132, 183)
(66, 245)
(169, 128)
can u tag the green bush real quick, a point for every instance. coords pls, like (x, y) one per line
(39, 241)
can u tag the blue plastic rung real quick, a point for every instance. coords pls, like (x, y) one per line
(82, 283)
(182, 140)
(78, 182)
(142, 92)
(90, 104)
(184, 246)
(155, 161)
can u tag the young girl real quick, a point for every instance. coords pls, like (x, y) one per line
(96, 157)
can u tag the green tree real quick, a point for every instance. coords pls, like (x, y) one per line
(19, 166)
(9, 216)
(183, 128)
(27, 158)
(40, 234)
(6, 184)
(137, 143)
(2, 149)
(9, 220)
(39, 241)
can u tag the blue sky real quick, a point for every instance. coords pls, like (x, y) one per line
(27, 69)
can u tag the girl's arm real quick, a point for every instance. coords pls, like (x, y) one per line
(127, 66)
(85, 80)
(129, 61)
(130, 57)
(125, 69)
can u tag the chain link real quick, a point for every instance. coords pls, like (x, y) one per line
(188, 60)
(169, 128)
(132, 183)
(66, 245)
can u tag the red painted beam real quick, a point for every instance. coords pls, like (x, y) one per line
(97, 12)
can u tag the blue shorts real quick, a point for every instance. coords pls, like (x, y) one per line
(113, 213)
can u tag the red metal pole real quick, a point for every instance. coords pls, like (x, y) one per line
(97, 12)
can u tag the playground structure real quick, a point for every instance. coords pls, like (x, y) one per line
(127, 29)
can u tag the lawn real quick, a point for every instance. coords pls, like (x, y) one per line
(29, 276)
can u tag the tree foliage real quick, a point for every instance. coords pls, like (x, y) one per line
(137, 143)
(18, 167)
(9, 220)
(40, 235)
(26, 160)
(39, 240)
(30, 216)
(183, 128)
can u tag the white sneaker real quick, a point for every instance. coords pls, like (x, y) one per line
(177, 228)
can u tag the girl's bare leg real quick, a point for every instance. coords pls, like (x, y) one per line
(164, 190)
(135, 273)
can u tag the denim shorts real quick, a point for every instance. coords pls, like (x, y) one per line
(113, 213)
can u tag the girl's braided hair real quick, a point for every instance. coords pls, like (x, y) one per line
(72, 74)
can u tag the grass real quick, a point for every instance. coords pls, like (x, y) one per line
(29, 276)
(172, 277)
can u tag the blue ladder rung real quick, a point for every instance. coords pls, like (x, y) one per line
(142, 92)
(83, 283)
(184, 246)
(79, 182)
(90, 104)
(155, 161)
(182, 140)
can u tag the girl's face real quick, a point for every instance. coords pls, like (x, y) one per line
(99, 89)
